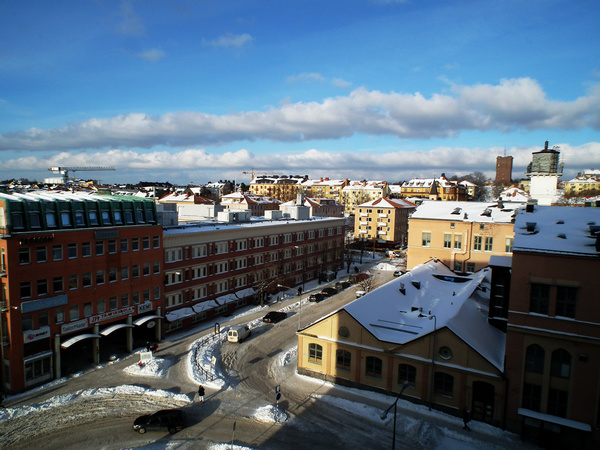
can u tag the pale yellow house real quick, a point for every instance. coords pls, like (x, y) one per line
(324, 188)
(358, 192)
(383, 220)
(424, 329)
(463, 235)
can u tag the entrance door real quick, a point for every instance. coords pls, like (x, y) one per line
(483, 402)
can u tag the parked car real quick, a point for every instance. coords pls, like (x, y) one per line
(238, 333)
(327, 292)
(274, 316)
(341, 285)
(316, 297)
(172, 420)
(399, 272)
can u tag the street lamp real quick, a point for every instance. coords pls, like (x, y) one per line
(394, 405)
(300, 310)
(431, 316)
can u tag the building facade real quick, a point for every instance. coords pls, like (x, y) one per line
(384, 219)
(214, 267)
(435, 189)
(77, 271)
(282, 188)
(359, 192)
(553, 334)
(504, 165)
(463, 235)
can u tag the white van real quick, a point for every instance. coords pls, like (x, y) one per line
(238, 333)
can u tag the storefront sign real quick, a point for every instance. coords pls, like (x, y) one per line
(144, 307)
(112, 314)
(36, 335)
(74, 326)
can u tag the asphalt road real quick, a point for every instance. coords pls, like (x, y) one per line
(225, 417)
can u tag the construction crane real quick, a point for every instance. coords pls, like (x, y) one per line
(253, 172)
(64, 171)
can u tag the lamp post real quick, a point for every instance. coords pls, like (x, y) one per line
(394, 405)
(431, 316)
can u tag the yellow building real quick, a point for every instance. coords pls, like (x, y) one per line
(358, 192)
(424, 329)
(435, 189)
(583, 185)
(324, 188)
(282, 188)
(463, 235)
(384, 219)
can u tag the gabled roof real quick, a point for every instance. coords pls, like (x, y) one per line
(479, 212)
(459, 303)
(389, 203)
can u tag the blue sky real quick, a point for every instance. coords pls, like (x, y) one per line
(197, 91)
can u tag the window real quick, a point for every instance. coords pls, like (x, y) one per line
(58, 284)
(99, 248)
(477, 243)
(135, 271)
(57, 252)
(99, 276)
(42, 287)
(373, 367)
(457, 241)
(534, 359)
(26, 323)
(221, 247)
(146, 269)
(59, 315)
(40, 254)
(86, 249)
(174, 299)
(156, 241)
(157, 292)
(566, 298)
(406, 372)
(87, 309)
(343, 360)
(73, 312)
(489, 244)
(447, 240)
(274, 240)
(106, 218)
(124, 273)
(101, 306)
(426, 239)
(199, 272)
(539, 298)
(112, 274)
(259, 242)
(443, 384)
(199, 251)
(532, 396)
(43, 319)
(135, 244)
(25, 289)
(51, 219)
(124, 245)
(470, 267)
(315, 353)
(561, 363)
(557, 402)
(93, 216)
(173, 255)
(509, 242)
(221, 267)
(79, 219)
(241, 245)
(156, 267)
(72, 251)
(73, 281)
(39, 368)
(112, 303)
(112, 246)
(124, 300)
(24, 257)
(146, 243)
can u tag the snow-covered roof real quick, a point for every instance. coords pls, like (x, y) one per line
(514, 194)
(467, 211)
(558, 230)
(432, 290)
(389, 203)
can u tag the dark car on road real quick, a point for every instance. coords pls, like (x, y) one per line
(172, 420)
(341, 285)
(316, 297)
(274, 316)
(327, 292)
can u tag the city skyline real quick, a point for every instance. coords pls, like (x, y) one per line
(385, 90)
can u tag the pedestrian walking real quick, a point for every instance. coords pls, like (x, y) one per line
(201, 393)
(466, 419)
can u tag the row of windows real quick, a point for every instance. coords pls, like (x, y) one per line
(560, 361)
(557, 404)
(443, 382)
(100, 306)
(200, 251)
(565, 299)
(56, 252)
(480, 243)
(87, 279)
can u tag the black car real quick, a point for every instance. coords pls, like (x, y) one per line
(274, 316)
(327, 292)
(341, 285)
(316, 297)
(171, 419)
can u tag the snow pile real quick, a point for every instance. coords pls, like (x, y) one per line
(156, 367)
(270, 414)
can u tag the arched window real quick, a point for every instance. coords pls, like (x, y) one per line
(534, 359)
(373, 367)
(561, 363)
(343, 359)
(406, 372)
(315, 353)
(443, 384)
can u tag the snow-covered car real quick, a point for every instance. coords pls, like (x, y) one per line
(172, 420)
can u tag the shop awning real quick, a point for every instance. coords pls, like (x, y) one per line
(554, 419)
(178, 314)
(229, 298)
(76, 339)
(143, 320)
(112, 328)
(205, 306)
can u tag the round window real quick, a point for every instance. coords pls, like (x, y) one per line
(344, 332)
(445, 353)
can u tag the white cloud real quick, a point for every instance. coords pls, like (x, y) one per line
(516, 104)
(152, 55)
(230, 40)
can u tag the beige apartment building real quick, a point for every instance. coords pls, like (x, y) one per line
(383, 220)
(358, 192)
(463, 235)
(324, 188)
